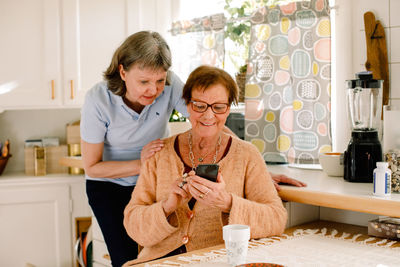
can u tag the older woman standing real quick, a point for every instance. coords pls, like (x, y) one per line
(122, 120)
(172, 210)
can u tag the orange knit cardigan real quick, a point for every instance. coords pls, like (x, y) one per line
(255, 202)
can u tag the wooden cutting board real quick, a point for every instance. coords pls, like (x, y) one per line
(377, 59)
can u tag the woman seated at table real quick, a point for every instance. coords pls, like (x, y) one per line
(172, 210)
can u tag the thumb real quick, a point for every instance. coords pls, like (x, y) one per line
(219, 178)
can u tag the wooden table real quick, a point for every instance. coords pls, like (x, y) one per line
(340, 227)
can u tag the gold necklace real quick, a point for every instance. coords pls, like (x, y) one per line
(191, 155)
(201, 158)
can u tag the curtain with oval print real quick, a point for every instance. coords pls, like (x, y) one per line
(288, 84)
(196, 42)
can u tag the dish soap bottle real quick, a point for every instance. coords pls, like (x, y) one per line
(382, 180)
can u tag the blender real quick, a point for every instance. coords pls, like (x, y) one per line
(364, 103)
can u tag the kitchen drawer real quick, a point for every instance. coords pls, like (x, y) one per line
(100, 253)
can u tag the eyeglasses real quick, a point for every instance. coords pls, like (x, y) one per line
(201, 107)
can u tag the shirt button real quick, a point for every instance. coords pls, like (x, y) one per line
(185, 239)
(189, 214)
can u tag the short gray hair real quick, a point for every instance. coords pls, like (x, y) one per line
(147, 49)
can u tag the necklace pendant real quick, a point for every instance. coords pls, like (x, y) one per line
(201, 159)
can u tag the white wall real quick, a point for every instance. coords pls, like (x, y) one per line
(387, 12)
(349, 56)
(20, 125)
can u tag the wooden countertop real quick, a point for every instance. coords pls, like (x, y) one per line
(335, 192)
(340, 227)
(20, 178)
(322, 190)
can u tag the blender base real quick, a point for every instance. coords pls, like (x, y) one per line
(362, 154)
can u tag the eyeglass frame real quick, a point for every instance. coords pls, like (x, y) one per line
(209, 106)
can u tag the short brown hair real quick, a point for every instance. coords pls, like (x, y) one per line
(205, 76)
(146, 48)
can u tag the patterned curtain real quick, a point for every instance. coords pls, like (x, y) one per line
(289, 82)
(197, 42)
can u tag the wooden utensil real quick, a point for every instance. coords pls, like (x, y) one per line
(377, 60)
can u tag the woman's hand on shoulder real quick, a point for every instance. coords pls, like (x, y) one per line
(150, 149)
(210, 193)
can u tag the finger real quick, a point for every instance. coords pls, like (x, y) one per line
(155, 149)
(154, 143)
(291, 181)
(157, 141)
(199, 196)
(219, 178)
(180, 191)
(200, 187)
(158, 145)
(277, 187)
(148, 155)
(202, 181)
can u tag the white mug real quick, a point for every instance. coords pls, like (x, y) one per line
(236, 237)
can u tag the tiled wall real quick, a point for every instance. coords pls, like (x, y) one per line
(354, 46)
(388, 13)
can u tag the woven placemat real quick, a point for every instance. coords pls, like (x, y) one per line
(306, 247)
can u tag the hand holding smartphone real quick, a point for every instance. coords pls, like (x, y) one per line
(208, 171)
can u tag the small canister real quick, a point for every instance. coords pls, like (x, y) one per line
(382, 179)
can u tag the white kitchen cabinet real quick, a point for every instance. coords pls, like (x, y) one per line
(92, 30)
(54, 51)
(37, 219)
(30, 54)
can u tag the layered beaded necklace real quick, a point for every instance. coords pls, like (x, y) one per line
(201, 158)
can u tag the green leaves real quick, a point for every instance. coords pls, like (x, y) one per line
(176, 116)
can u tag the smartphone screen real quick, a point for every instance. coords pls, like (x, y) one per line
(208, 171)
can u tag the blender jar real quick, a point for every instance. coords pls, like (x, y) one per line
(364, 102)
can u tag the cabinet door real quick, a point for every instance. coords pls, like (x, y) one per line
(35, 226)
(92, 30)
(29, 54)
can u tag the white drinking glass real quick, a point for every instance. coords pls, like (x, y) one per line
(236, 237)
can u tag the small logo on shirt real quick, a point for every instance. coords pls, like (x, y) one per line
(158, 114)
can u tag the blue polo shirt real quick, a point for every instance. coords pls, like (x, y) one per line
(106, 118)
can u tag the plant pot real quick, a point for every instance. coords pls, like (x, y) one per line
(177, 127)
(3, 163)
(241, 82)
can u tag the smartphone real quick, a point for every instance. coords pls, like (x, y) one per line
(208, 171)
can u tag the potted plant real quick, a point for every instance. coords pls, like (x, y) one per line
(178, 123)
(237, 35)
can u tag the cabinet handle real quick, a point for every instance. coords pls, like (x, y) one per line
(72, 89)
(53, 89)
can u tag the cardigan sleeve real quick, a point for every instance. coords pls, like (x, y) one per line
(261, 208)
(144, 217)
